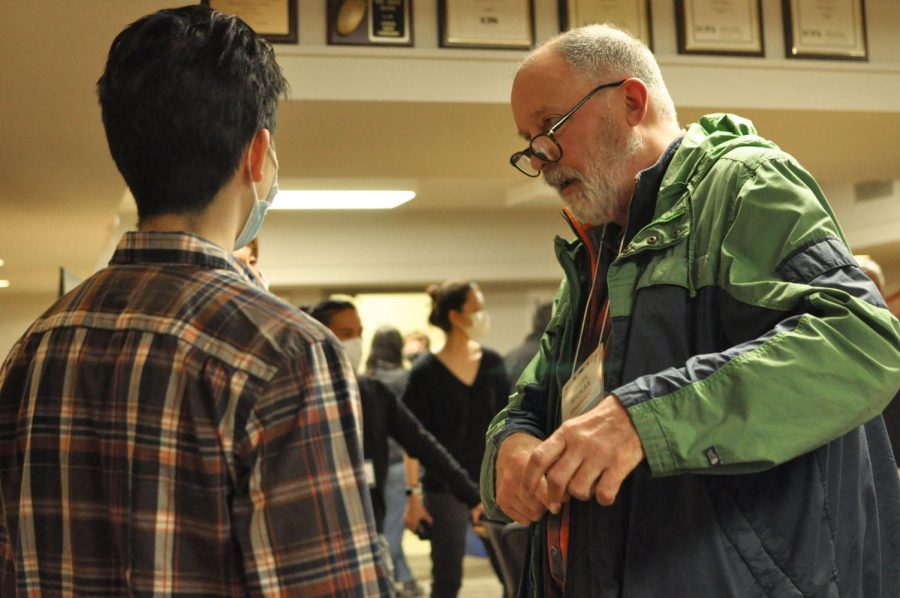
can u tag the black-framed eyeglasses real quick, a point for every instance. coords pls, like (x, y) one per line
(545, 146)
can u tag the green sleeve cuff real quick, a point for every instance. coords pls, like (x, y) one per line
(653, 439)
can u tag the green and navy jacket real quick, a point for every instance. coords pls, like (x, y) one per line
(754, 358)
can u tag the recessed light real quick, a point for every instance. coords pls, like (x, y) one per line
(4, 284)
(2, 262)
(340, 200)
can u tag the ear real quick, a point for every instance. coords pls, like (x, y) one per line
(454, 316)
(259, 147)
(636, 99)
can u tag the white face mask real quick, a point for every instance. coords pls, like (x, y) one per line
(479, 323)
(353, 347)
(254, 221)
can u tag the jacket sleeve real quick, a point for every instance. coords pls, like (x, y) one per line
(420, 444)
(526, 410)
(829, 365)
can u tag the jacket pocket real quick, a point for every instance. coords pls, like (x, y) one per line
(777, 532)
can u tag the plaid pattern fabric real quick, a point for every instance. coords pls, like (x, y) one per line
(167, 428)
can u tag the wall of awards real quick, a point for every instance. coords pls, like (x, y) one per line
(812, 29)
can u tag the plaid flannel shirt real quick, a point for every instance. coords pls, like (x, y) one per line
(168, 428)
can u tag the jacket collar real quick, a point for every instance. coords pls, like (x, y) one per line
(643, 202)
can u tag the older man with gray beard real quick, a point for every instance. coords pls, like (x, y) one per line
(697, 422)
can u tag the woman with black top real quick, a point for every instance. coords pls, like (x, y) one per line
(454, 393)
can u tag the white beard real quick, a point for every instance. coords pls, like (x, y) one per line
(604, 191)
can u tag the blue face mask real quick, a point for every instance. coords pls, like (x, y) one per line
(258, 212)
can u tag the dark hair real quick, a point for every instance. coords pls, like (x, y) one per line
(417, 335)
(450, 295)
(387, 349)
(183, 93)
(325, 310)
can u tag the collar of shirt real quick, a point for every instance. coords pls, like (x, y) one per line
(176, 248)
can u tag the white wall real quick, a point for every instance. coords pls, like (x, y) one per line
(431, 74)
(867, 222)
(870, 225)
(400, 248)
(509, 254)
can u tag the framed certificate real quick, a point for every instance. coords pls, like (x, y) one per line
(370, 22)
(631, 15)
(724, 27)
(831, 29)
(501, 24)
(275, 20)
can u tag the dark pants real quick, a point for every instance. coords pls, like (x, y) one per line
(448, 543)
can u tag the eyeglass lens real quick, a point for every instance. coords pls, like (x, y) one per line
(542, 147)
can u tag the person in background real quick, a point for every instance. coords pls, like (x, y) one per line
(518, 359)
(167, 427)
(384, 416)
(891, 413)
(454, 393)
(703, 417)
(385, 359)
(385, 364)
(415, 344)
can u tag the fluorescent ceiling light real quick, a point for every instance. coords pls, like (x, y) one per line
(340, 200)
(4, 284)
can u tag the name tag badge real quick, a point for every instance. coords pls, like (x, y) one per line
(370, 472)
(585, 388)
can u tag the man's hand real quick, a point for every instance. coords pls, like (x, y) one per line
(589, 455)
(523, 506)
(415, 512)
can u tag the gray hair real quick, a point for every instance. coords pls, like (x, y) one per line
(600, 52)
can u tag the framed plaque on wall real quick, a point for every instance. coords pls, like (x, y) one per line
(829, 29)
(370, 22)
(631, 15)
(275, 20)
(504, 24)
(723, 27)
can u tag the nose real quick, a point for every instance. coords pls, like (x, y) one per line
(536, 162)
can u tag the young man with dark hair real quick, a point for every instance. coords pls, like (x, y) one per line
(168, 427)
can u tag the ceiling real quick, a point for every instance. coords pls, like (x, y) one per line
(60, 193)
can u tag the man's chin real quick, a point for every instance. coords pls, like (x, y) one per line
(587, 213)
(576, 204)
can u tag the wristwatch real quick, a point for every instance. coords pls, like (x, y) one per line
(417, 490)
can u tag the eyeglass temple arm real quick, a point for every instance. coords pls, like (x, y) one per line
(561, 121)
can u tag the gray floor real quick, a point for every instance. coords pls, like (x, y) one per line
(479, 580)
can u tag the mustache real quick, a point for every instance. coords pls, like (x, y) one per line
(559, 175)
